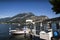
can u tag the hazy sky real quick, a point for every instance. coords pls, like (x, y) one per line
(38, 7)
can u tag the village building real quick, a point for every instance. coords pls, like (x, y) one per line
(43, 23)
(36, 23)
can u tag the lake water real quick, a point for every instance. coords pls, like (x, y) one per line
(4, 31)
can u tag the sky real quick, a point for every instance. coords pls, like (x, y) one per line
(37, 7)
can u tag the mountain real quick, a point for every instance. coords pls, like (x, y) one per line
(20, 18)
(4, 19)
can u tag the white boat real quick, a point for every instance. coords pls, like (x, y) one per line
(19, 31)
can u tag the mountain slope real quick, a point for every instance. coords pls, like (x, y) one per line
(20, 18)
(5, 19)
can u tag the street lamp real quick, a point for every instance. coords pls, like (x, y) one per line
(34, 27)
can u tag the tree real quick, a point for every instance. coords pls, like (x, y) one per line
(56, 6)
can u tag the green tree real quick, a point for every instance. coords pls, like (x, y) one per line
(56, 6)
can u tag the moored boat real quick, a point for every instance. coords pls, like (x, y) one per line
(17, 31)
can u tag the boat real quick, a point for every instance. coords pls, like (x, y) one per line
(17, 31)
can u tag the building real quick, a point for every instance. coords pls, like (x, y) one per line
(43, 23)
(36, 23)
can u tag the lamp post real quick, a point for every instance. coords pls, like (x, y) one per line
(34, 28)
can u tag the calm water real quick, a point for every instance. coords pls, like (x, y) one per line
(4, 31)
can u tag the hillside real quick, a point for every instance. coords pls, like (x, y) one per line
(4, 19)
(19, 18)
